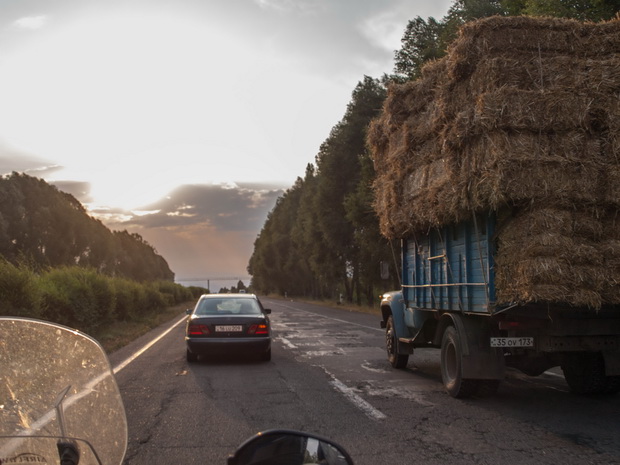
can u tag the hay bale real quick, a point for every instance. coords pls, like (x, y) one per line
(532, 73)
(550, 254)
(534, 37)
(550, 131)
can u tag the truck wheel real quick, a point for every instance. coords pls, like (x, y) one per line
(585, 373)
(391, 343)
(451, 372)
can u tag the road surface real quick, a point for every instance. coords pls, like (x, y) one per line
(329, 375)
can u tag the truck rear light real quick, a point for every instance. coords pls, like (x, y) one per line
(510, 325)
(261, 328)
(530, 324)
(197, 330)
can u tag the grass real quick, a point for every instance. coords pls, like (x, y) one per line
(123, 332)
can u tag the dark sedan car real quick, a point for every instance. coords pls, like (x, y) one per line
(228, 324)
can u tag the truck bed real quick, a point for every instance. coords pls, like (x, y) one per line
(451, 268)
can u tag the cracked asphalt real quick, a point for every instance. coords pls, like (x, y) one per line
(329, 375)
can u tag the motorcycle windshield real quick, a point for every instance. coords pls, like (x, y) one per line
(57, 386)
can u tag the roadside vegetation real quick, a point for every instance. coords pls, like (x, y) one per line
(94, 303)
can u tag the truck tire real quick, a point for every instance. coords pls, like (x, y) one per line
(391, 343)
(451, 372)
(585, 374)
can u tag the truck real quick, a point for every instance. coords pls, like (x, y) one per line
(498, 169)
(447, 301)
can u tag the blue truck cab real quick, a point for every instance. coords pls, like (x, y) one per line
(447, 301)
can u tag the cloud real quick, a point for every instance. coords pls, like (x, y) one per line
(32, 22)
(203, 231)
(78, 189)
(384, 29)
(305, 7)
(239, 208)
(22, 162)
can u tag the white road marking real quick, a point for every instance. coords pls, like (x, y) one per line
(356, 400)
(366, 366)
(287, 343)
(122, 365)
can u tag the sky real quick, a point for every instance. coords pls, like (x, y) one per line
(184, 120)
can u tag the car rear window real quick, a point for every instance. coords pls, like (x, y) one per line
(228, 307)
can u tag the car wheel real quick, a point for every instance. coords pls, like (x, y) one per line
(191, 357)
(391, 343)
(267, 355)
(451, 372)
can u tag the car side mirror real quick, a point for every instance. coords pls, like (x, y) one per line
(267, 311)
(290, 448)
(188, 311)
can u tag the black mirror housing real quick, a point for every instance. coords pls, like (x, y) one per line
(274, 447)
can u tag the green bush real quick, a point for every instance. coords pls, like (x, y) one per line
(176, 292)
(82, 298)
(197, 291)
(19, 292)
(129, 295)
(78, 297)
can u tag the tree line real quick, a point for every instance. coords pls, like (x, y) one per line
(42, 227)
(322, 239)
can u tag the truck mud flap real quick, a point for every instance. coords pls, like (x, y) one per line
(480, 360)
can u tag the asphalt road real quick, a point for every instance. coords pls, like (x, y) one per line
(329, 375)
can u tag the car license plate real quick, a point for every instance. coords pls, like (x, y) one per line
(228, 328)
(512, 342)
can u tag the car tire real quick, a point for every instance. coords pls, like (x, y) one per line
(267, 355)
(191, 357)
(451, 371)
(391, 343)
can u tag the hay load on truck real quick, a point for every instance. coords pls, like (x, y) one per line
(499, 172)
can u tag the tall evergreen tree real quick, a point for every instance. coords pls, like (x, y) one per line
(339, 171)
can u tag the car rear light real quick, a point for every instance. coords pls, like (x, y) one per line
(261, 328)
(197, 330)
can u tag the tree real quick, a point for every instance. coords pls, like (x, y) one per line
(421, 43)
(48, 228)
(308, 244)
(272, 264)
(373, 248)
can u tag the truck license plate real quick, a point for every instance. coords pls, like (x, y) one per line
(228, 328)
(512, 342)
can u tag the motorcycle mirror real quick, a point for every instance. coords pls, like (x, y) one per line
(289, 447)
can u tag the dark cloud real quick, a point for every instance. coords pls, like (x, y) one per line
(225, 208)
(79, 190)
(13, 160)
